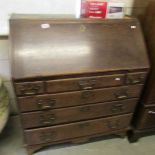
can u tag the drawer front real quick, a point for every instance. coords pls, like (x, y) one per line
(77, 84)
(147, 118)
(51, 101)
(136, 78)
(74, 130)
(29, 88)
(66, 115)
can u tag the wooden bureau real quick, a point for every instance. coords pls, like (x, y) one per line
(144, 120)
(76, 79)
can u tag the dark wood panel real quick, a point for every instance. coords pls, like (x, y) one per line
(139, 8)
(144, 120)
(147, 118)
(149, 93)
(75, 46)
(73, 130)
(149, 32)
(66, 115)
(50, 101)
(76, 84)
(80, 140)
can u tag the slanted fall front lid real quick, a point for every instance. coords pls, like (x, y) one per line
(47, 47)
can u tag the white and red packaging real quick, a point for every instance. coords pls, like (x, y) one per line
(93, 8)
(115, 10)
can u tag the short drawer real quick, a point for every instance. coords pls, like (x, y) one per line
(136, 78)
(147, 118)
(74, 130)
(77, 84)
(29, 88)
(66, 115)
(51, 101)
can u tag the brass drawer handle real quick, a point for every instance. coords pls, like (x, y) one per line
(87, 94)
(47, 137)
(113, 125)
(46, 122)
(151, 112)
(137, 80)
(51, 120)
(46, 103)
(85, 109)
(117, 108)
(30, 91)
(134, 81)
(87, 84)
(121, 95)
(47, 119)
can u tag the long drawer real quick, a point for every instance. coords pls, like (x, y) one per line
(78, 84)
(50, 101)
(74, 130)
(78, 113)
(147, 118)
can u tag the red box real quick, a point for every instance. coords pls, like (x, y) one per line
(93, 8)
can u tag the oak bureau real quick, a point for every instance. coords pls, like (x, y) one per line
(76, 79)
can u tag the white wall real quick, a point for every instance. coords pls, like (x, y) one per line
(7, 7)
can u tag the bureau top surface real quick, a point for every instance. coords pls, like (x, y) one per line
(47, 47)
